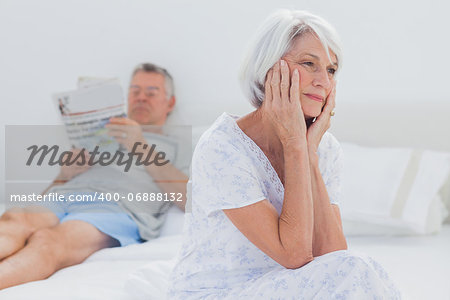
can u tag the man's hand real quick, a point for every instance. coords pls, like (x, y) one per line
(68, 172)
(126, 131)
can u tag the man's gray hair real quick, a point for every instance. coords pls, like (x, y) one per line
(152, 68)
(273, 40)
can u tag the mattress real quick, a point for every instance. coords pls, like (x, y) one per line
(420, 265)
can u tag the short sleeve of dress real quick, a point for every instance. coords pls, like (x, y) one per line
(223, 175)
(334, 160)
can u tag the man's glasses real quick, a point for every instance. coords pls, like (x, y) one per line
(149, 91)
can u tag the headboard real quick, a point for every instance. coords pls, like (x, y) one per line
(416, 125)
(423, 126)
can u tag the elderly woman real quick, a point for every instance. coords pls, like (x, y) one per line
(265, 219)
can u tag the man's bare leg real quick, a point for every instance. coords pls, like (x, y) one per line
(17, 225)
(51, 249)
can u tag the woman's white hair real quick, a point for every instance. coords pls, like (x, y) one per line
(273, 40)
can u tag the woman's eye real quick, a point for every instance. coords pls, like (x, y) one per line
(332, 71)
(308, 63)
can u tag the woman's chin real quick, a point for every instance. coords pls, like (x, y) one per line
(311, 114)
(311, 109)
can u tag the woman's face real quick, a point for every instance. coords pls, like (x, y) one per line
(308, 56)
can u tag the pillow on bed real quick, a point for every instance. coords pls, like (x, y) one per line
(445, 196)
(174, 222)
(392, 191)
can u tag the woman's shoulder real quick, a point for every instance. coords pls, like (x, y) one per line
(221, 136)
(223, 130)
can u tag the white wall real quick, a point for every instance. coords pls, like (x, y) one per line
(394, 51)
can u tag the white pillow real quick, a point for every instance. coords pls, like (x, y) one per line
(175, 217)
(445, 195)
(197, 132)
(174, 222)
(392, 190)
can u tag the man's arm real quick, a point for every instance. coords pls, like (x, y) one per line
(168, 178)
(55, 182)
(68, 172)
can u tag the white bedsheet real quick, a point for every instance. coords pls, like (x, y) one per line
(419, 265)
(103, 275)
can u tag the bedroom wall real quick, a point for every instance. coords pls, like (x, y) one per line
(395, 51)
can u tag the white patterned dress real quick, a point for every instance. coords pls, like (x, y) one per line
(217, 261)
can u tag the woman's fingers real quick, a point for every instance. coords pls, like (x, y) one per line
(285, 82)
(282, 90)
(325, 117)
(333, 95)
(295, 87)
(267, 87)
(331, 103)
(275, 83)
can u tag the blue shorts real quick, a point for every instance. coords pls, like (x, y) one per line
(106, 216)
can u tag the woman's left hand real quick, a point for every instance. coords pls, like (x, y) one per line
(317, 129)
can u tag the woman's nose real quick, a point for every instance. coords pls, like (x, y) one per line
(322, 78)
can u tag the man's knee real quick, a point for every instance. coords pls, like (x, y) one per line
(14, 215)
(15, 223)
(69, 243)
(30, 220)
(49, 246)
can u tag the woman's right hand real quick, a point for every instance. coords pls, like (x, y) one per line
(282, 105)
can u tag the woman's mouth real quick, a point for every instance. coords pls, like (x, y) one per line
(315, 97)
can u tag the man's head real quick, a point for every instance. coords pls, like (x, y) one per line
(151, 95)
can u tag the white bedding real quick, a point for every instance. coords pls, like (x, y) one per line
(420, 265)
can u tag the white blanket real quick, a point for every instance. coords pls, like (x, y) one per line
(419, 265)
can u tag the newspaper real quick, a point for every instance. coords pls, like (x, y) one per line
(85, 112)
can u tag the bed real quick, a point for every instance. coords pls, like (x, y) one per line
(419, 264)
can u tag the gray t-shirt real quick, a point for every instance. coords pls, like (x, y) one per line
(136, 184)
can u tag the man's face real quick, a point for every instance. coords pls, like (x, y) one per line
(147, 99)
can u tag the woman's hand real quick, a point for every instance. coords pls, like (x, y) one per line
(317, 129)
(282, 105)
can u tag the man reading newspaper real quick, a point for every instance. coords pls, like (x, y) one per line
(35, 245)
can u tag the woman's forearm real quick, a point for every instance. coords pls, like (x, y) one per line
(327, 233)
(296, 219)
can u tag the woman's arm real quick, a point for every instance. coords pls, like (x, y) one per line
(286, 238)
(328, 235)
